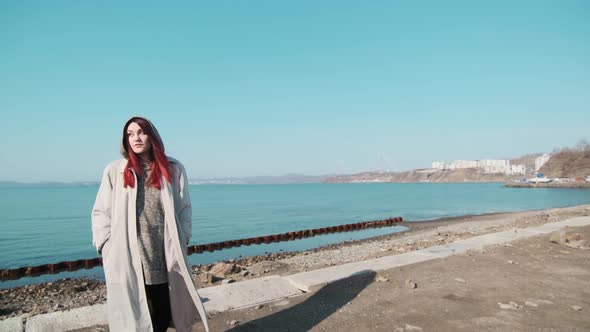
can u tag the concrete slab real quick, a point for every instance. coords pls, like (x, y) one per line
(580, 221)
(554, 226)
(247, 293)
(68, 320)
(444, 250)
(463, 246)
(307, 281)
(14, 324)
(388, 262)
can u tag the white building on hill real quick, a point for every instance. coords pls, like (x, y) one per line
(541, 160)
(494, 166)
(517, 170)
(465, 163)
(442, 165)
(487, 166)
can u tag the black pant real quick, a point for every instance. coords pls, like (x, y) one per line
(158, 299)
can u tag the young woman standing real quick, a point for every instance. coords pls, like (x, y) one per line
(141, 225)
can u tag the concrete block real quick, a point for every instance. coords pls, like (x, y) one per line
(554, 226)
(68, 320)
(389, 262)
(247, 293)
(308, 281)
(14, 324)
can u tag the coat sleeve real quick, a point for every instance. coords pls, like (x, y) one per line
(185, 211)
(101, 212)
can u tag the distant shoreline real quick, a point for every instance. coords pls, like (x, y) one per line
(573, 185)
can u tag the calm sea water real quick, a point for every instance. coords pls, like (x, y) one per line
(44, 224)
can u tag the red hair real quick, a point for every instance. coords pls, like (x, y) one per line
(160, 164)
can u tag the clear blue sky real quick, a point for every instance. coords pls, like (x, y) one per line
(242, 88)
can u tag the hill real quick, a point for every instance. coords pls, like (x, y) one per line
(569, 162)
(528, 160)
(423, 175)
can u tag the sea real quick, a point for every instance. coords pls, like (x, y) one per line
(49, 223)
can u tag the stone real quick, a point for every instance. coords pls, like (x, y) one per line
(510, 262)
(222, 269)
(234, 322)
(258, 307)
(572, 240)
(578, 244)
(576, 307)
(460, 280)
(557, 237)
(531, 304)
(227, 281)
(409, 327)
(244, 273)
(508, 306)
(381, 279)
(411, 284)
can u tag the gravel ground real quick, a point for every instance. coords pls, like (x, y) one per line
(60, 295)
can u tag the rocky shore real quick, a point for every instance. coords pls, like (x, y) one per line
(47, 297)
(72, 293)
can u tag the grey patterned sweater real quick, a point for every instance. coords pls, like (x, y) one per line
(150, 231)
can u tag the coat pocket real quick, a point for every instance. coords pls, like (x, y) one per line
(105, 248)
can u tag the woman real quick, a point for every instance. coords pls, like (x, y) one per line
(141, 224)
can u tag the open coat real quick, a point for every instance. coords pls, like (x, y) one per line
(114, 235)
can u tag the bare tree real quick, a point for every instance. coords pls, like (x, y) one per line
(583, 145)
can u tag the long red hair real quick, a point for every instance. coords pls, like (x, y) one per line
(160, 164)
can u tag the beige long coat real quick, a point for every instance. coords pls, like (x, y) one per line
(114, 235)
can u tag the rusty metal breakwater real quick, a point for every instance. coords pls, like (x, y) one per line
(70, 266)
(290, 236)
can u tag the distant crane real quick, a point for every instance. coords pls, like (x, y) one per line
(384, 162)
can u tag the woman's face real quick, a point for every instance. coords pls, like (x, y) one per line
(139, 141)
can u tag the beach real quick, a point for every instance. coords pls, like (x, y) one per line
(68, 294)
(420, 235)
(531, 284)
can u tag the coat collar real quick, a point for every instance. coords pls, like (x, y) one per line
(123, 163)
